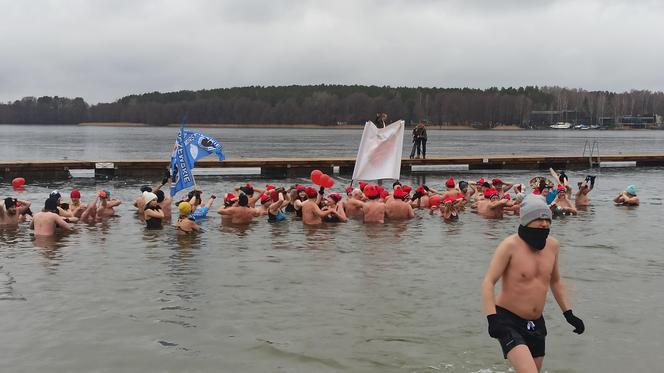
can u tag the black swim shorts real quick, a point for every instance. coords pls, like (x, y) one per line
(531, 333)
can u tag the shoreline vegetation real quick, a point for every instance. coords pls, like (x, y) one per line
(334, 106)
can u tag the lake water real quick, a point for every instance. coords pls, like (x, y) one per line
(401, 297)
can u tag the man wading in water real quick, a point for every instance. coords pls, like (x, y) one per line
(527, 263)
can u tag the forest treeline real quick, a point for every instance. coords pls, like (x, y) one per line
(333, 104)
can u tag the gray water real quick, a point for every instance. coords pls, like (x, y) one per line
(401, 297)
(113, 143)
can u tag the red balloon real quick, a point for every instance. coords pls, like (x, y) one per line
(18, 182)
(323, 180)
(315, 176)
(330, 182)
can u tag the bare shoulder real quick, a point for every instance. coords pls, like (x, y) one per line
(553, 243)
(507, 245)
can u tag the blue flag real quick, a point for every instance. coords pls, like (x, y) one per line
(182, 163)
(201, 145)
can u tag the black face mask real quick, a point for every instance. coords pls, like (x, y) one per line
(534, 237)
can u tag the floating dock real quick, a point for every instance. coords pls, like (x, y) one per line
(293, 167)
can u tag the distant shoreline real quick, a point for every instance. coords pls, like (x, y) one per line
(430, 127)
(289, 126)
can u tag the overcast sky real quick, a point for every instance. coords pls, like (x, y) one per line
(103, 50)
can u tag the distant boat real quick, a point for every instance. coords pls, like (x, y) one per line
(561, 126)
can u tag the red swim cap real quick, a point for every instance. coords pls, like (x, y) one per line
(311, 192)
(75, 194)
(450, 182)
(490, 193)
(407, 188)
(336, 197)
(370, 191)
(496, 182)
(229, 197)
(399, 193)
(264, 198)
(363, 185)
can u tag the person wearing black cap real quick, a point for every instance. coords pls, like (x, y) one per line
(11, 210)
(527, 264)
(45, 221)
(241, 214)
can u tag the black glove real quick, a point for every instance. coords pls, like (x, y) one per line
(417, 195)
(576, 322)
(167, 175)
(496, 328)
(321, 191)
(592, 180)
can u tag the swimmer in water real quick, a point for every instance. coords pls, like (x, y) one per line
(450, 208)
(241, 214)
(185, 224)
(312, 214)
(492, 205)
(561, 205)
(333, 203)
(373, 209)
(104, 210)
(397, 208)
(152, 213)
(501, 186)
(76, 207)
(421, 197)
(46, 221)
(253, 194)
(527, 265)
(628, 197)
(11, 211)
(139, 202)
(581, 199)
(271, 205)
(353, 204)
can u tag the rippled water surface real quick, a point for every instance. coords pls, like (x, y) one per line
(400, 297)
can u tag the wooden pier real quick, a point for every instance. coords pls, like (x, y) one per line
(287, 167)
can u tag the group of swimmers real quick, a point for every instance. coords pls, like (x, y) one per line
(369, 203)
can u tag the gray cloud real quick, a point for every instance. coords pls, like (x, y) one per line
(102, 50)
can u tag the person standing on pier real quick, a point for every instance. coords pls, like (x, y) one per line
(527, 265)
(419, 141)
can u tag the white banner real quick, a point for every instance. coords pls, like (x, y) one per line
(379, 155)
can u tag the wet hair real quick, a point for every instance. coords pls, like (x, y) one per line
(196, 193)
(160, 196)
(64, 206)
(243, 200)
(395, 184)
(10, 202)
(247, 190)
(51, 205)
(145, 188)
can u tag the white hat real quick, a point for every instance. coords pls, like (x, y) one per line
(148, 196)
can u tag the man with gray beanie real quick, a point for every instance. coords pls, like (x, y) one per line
(527, 264)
